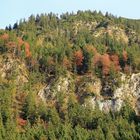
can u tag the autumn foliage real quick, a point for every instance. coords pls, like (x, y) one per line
(78, 57)
(27, 46)
(81, 60)
(27, 49)
(107, 62)
(20, 42)
(97, 58)
(4, 37)
(115, 60)
(125, 57)
(103, 61)
(21, 121)
(11, 44)
(66, 63)
(16, 44)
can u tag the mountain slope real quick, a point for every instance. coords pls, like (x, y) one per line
(76, 76)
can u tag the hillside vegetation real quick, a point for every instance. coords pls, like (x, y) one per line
(54, 68)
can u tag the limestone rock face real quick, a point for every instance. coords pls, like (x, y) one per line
(44, 93)
(89, 90)
(64, 84)
(135, 85)
(107, 105)
(128, 90)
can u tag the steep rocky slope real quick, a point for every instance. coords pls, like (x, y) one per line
(90, 91)
(74, 76)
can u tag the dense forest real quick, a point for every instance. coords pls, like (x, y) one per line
(87, 43)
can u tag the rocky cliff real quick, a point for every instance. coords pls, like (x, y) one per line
(91, 91)
(88, 89)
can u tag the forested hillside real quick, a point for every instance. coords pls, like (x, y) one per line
(70, 77)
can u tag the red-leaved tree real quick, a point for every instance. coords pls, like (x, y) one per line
(27, 49)
(21, 121)
(115, 60)
(106, 63)
(78, 57)
(97, 58)
(4, 37)
(20, 42)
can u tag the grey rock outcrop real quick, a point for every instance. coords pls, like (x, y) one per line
(129, 90)
(64, 84)
(90, 89)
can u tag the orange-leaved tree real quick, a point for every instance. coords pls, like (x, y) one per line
(78, 57)
(115, 60)
(27, 49)
(106, 64)
(66, 63)
(125, 56)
